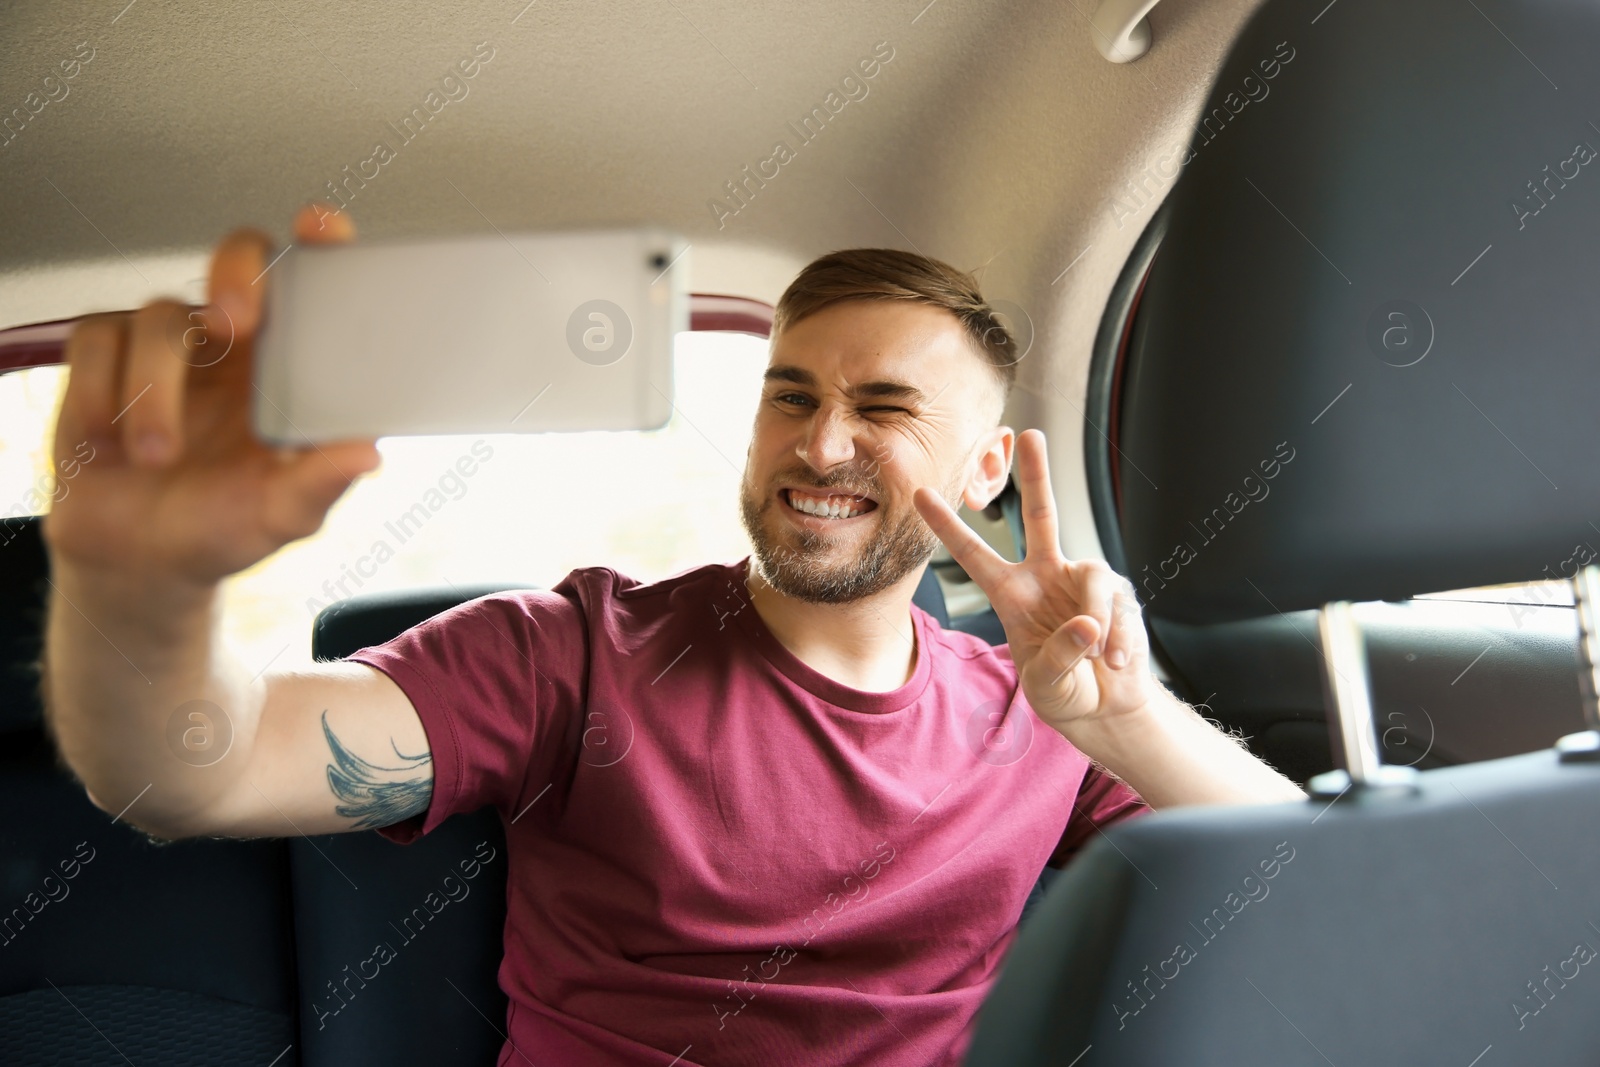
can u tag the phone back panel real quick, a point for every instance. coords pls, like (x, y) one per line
(491, 334)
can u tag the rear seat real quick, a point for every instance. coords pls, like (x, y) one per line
(114, 948)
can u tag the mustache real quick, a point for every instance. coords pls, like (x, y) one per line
(847, 482)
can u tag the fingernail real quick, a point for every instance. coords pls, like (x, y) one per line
(1118, 659)
(152, 446)
(233, 315)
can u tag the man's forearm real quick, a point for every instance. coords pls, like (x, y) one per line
(118, 665)
(1171, 756)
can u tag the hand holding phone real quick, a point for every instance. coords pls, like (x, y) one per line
(177, 486)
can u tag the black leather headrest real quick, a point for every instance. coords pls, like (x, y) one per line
(1366, 362)
(373, 618)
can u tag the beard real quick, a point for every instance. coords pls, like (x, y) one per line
(796, 565)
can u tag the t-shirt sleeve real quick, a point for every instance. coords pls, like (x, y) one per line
(496, 682)
(1102, 801)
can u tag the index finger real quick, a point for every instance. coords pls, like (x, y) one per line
(93, 354)
(233, 305)
(1038, 502)
(240, 266)
(983, 564)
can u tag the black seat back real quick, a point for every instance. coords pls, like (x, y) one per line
(1413, 930)
(114, 948)
(1361, 366)
(434, 995)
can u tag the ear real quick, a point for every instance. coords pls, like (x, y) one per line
(991, 466)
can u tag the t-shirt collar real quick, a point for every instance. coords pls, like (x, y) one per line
(836, 693)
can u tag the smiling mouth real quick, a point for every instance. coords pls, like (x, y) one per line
(833, 506)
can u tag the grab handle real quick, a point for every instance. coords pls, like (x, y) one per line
(1120, 29)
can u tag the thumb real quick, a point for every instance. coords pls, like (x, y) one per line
(320, 223)
(1063, 650)
(309, 481)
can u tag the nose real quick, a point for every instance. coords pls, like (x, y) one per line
(828, 441)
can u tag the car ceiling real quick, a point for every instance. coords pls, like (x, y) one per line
(995, 138)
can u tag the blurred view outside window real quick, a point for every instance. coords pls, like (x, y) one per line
(470, 509)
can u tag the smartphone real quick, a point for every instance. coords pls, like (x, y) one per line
(498, 333)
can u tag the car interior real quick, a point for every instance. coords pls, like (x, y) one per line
(1305, 292)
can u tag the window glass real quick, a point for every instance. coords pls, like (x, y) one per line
(28, 402)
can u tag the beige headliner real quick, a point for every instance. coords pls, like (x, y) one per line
(994, 137)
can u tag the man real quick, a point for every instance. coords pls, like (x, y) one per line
(757, 813)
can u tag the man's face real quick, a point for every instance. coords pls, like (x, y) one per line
(863, 402)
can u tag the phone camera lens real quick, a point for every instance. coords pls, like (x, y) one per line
(659, 261)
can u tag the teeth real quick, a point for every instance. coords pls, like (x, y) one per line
(830, 509)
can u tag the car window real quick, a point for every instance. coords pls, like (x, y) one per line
(28, 400)
(470, 509)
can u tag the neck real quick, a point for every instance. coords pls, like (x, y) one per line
(867, 644)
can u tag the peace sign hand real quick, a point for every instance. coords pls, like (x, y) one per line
(1075, 630)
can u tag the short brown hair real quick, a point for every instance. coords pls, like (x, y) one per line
(890, 274)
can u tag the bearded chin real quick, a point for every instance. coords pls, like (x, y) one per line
(798, 567)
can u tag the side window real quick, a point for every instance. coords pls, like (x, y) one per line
(28, 401)
(1521, 600)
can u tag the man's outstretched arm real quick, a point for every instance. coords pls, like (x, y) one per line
(160, 723)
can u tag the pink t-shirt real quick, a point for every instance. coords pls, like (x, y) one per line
(718, 855)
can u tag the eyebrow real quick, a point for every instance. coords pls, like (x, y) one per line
(883, 388)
